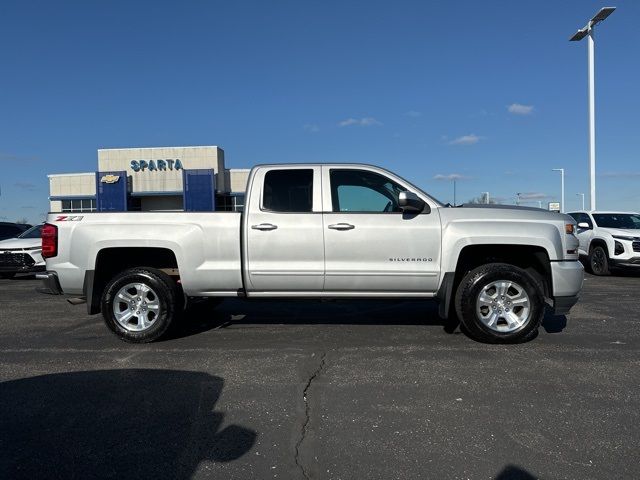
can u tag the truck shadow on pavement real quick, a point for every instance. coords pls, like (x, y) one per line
(204, 317)
(513, 472)
(554, 323)
(129, 423)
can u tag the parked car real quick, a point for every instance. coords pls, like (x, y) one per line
(22, 254)
(318, 231)
(12, 230)
(608, 240)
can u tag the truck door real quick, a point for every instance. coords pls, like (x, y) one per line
(283, 230)
(370, 244)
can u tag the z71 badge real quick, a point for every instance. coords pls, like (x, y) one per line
(68, 218)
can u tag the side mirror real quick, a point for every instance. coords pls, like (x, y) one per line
(410, 202)
(584, 226)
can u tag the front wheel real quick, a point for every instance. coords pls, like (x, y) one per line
(140, 304)
(599, 261)
(500, 303)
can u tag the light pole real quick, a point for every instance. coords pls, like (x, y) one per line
(454, 192)
(587, 30)
(581, 195)
(486, 197)
(561, 170)
(518, 198)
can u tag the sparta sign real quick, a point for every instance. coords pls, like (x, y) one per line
(158, 165)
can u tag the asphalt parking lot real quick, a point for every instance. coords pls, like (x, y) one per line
(319, 390)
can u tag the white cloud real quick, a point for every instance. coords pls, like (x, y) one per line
(311, 127)
(450, 177)
(360, 122)
(466, 140)
(519, 109)
(413, 114)
(533, 196)
(25, 186)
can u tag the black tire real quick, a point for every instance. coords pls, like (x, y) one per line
(472, 286)
(599, 261)
(169, 298)
(7, 275)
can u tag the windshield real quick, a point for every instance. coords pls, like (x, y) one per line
(627, 221)
(33, 232)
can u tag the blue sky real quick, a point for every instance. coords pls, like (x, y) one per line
(491, 91)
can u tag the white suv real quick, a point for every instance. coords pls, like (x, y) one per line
(608, 239)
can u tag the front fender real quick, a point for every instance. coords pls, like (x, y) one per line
(462, 233)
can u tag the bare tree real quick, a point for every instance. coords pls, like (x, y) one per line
(22, 220)
(482, 199)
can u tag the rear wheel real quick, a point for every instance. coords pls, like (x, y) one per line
(599, 261)
(500, 303)
(140, 304)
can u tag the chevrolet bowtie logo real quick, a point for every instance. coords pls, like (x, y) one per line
(110, 178)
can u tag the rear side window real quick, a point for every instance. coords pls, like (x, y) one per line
(288, 191)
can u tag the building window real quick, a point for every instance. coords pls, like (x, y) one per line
(238, 203)
(83, 205)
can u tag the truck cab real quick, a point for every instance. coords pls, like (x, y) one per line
(339, 231)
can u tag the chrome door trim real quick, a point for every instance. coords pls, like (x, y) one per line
(287, 272)
(382, 273)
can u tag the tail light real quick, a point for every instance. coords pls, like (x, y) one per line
(49, 240)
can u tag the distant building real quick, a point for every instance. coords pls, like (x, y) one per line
(151, 179)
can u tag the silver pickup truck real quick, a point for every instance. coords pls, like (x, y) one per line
(320, 231)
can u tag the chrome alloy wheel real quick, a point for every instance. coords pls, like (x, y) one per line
(136, 307)
(503, 306)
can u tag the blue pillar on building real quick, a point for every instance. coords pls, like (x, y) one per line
(199, 192)
(111, 191)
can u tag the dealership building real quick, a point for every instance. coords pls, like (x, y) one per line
(151, 179)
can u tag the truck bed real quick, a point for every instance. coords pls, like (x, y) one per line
(206, 245)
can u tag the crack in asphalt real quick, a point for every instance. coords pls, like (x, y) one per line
(305, 424)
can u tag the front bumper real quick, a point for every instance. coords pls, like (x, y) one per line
(633, 262)
(567, 278)
(20, 261)
(50, 283)
(21, 268)
(562, 305)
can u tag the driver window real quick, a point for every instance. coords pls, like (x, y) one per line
(363, 191)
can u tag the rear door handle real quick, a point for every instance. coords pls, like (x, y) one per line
(341, 226)
(264, 226)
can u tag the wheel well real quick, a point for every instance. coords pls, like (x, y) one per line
(598, 242)
(111, 261)
(532, 259)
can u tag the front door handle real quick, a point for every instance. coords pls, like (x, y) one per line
(341, 226)
(264, 226)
